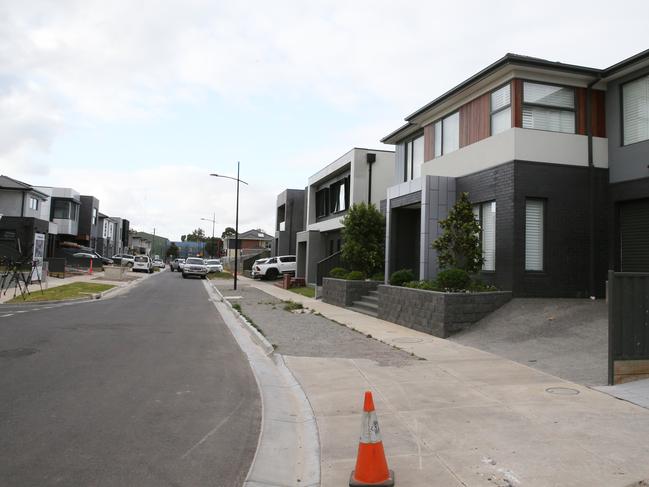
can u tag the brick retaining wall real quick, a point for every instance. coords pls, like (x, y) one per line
(439, 314)
(341, 292)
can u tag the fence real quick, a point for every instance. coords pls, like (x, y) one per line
(325, 266)
(628, 322)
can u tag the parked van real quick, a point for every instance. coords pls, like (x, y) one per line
(142, 263)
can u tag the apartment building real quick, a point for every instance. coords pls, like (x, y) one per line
(360, 175)
(289, 220)
(540, 148)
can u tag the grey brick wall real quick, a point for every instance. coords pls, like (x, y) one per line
(438, 314)
(341, 292)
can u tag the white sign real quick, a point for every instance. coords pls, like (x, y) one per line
(39, 253)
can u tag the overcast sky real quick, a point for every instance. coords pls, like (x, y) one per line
(136, 102)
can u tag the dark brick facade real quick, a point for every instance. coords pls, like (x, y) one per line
(566, 192)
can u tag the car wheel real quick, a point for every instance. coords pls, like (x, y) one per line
(272, 274)
(184, 276)
(203, 277)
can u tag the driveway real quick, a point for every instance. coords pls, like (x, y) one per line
(567, 338)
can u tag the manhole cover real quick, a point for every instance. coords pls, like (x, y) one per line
(407, 340)
(562, 391)
(17, 352)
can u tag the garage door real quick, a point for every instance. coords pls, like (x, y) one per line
(634, 236)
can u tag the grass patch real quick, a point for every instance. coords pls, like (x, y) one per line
(292, 306)
(307, 291)
(237, 306)
(219, 275)
(67, 291)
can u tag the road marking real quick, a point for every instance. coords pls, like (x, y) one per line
(213, 430)
(7, 316)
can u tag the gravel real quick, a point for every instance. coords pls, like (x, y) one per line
(307, 334)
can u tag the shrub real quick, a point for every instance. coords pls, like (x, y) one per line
(338, 273)
(379, 276)
(426, 285)
(400, 277)
(355, 276)
(453, 280)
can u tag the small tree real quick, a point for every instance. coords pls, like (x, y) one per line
(228, 232)
(172, 251)
(459, 245)
(364, 239)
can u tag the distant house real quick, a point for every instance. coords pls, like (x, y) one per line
(22, 229)
(289, 220)
(250, 242)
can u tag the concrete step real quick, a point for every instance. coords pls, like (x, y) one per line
(373, 293)
(365, 307)
(370, 299)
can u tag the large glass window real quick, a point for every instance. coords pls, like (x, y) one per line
(485, 213)
(501, 110)
(33, 203)
(635, 111)
(414, 157)
(322, 202)
(451, 133)
(534, 224)
(61, 209)
(548, 107)
(94, 216)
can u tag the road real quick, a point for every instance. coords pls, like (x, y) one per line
(147, 388)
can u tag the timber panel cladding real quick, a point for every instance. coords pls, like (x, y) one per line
(475, 120)
(429, 142)
(597, 114)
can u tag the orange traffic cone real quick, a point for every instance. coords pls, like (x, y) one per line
(90, 270)
(371, 465)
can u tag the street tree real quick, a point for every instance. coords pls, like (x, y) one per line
(364, 239)
(197, 235)
(228, 232)
(172, 251)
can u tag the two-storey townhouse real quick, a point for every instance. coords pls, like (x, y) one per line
(627, 127)
(360, 175)
(289, 220)
(88, 221)
(23, 232)
(62, 211)
(528, 140)
(108, 235)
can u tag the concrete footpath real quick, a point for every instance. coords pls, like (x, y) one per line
(463, 417)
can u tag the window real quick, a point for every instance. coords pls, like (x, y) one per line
(447, 134)
(94, 216)
(33, 203)
(501, 110)
(534, 218)
(485, 213)
(548, 107)
(414, 157)
(61, 209)
(635, 111)
(322, 202)
(338, 196)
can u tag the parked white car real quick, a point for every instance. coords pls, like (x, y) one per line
(158, 263)
(256, 268)
(214, 265)
(276, 266)
(124, 259)
(194, 266)
(142, 263)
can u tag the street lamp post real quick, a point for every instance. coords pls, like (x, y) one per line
(236, 224)
(212, 220)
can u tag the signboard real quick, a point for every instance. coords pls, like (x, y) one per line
(39, 253)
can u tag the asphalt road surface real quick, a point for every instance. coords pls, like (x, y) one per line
(147, 388)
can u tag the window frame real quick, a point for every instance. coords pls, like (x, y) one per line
(544, 260)
(621, 95)
(492, 112)
(406, 153)
(441, 133)
(33, 203)
(550, 107)
(480, 206)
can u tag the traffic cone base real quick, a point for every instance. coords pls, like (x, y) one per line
(386, 483)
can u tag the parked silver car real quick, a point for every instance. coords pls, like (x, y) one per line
(194, 267)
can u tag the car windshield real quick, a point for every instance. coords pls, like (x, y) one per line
(213, 262)
(141, 258)
(194, 261)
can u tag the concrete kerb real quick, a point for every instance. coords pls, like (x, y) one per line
(288, 449)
